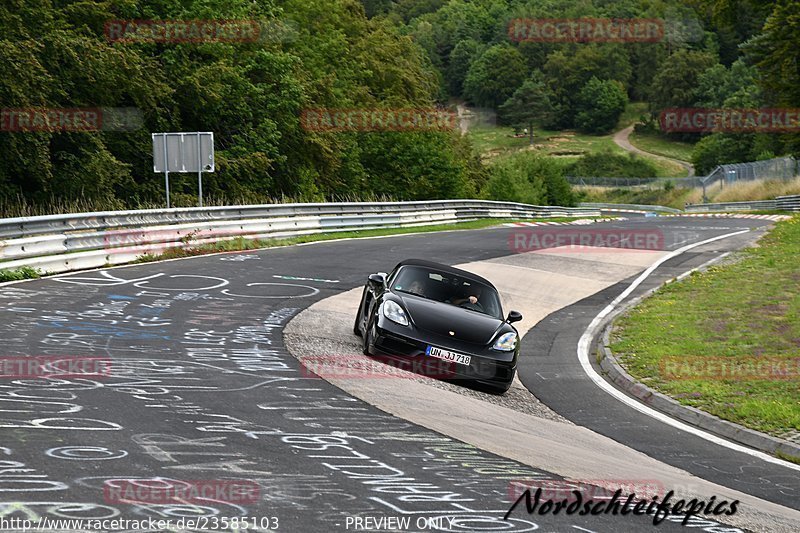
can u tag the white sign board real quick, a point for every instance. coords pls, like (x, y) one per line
(184, 152)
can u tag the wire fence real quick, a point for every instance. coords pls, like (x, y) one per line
(779, 168)
(645, 183)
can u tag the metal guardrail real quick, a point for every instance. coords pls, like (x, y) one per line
(781, 203)
(788, 203)
(61, 243)
(756, 205)
(104, 220)
(629, 207)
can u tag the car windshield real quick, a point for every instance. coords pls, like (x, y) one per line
(448, 288)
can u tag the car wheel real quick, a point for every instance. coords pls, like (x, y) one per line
(359, 317)
(368, 338)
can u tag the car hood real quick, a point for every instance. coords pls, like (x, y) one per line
(441, 318)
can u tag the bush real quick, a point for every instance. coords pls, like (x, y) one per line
(612, 165)
(19, 274)
(529, 178)
(717, 149)
(600, 103)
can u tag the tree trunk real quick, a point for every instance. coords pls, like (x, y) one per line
(530, 131)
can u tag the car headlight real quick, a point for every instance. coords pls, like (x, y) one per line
(395, 313)
(506, 342)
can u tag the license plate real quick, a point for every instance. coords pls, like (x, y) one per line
(447, 355)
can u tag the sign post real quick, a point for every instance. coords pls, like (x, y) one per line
(184, 152)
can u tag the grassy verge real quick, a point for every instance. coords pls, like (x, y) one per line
(18, 206)
(677, 197)
(734, 316)
(633, 113)
(657, 144)
(17, 274)
(242, 244)
(746, 191)
(494, 142)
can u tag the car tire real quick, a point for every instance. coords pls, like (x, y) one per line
(367, 338)
(359, 316)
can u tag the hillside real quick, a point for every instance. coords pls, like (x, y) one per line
(253, 85)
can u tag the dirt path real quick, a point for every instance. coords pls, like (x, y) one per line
(622, 140)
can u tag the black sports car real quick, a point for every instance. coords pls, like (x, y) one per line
(441, 321)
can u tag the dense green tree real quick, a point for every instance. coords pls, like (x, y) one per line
(250, 94)
(717, 84)
(353, 54)
(568, 72)
(600, 103)
(415, 166)
(719, 148)
(530, 103)
(461, 58)
(733, 22)
(776, 53)
(494, 76)
(373, 8)
(676, 83)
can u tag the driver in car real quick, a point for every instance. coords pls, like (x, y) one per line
(471, 295)
(417, 287)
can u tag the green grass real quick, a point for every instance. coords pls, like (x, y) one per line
(242, 244)
(676, 197)
(20, 273)
(658, 144)
(743, 311)
(18, 206)
(632, 114)
(493, 142)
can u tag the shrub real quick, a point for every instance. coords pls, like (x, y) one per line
(612, 165)
(529, 178)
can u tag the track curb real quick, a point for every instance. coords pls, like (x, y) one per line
(616, 374)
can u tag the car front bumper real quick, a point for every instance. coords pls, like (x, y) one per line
(407, 347)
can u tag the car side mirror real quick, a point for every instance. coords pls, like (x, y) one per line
(514, 316)
(376, 281)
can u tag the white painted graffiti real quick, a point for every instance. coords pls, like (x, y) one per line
(85, 453)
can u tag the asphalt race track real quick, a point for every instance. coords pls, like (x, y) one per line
(202, 388)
